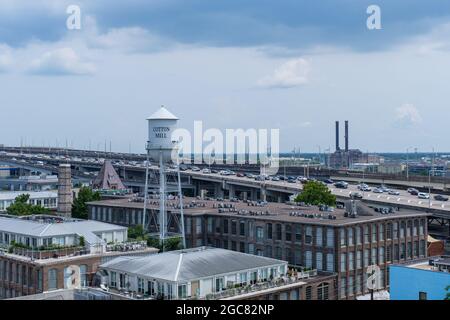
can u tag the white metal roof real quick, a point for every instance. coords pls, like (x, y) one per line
(191, 264)
(85, 228)
(11, 195)
(162, 114)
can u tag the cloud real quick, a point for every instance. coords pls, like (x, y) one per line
(407, 115)
(305, 124)
(62, 61)
(6, 60)
(292, 73)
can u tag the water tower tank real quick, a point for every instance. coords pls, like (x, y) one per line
(161, 125)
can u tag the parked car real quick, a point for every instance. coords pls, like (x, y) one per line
(440, 197)
(423, 195)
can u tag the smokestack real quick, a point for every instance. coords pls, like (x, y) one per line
(337, 136)
(64, 190)
(346, 135)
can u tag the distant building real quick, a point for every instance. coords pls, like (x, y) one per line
(425, 279)
(47, 199)
(108, 179)
(211, 273)
(344, 158)
(65, 197)
(37, 252)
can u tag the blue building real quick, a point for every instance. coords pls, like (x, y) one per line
(420, 280)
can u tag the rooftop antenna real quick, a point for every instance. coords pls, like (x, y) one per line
(161, 125)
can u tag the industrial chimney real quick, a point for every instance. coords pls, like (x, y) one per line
(64, 190)
(346, 135)
(337, 136)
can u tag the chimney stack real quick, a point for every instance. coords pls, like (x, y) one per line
(337, 136)
(346, 135)
(64, 190)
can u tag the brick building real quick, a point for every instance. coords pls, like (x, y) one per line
(344, 241)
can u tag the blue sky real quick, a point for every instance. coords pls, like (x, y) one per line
(293, 65)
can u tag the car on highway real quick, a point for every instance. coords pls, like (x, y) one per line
(214, 171)
(423, 195)
(328, 181)
(225, 173)
(206, 170)
(240, 175)
(291, 180)
(413, 191)
(384, 188)
(195, 168)
(394, 192)
(341, 185)
(377, 190)
(440, 197)
(356, 195)
(275, 178)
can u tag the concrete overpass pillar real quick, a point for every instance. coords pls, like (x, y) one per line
(263, 194)
(231, 191)
(280, 199)
(244, 195)
(253, 195)
(218, 191)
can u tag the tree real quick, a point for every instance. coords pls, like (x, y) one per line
(316, 193)
(447, 296)
(79, 207)
(136, 232)
(21, 207)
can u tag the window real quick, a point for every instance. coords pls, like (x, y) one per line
(343, 288)
(288, 233)
(242, 247)
(358, 284)
(278, 231)
(308, 259)
(342, 237)
(366, 257)
(422, 248)
(198, 226)
(358, 235)
(343, 262)
(409, 250)
(402, 229)
(268, 252)
(225, 226)
(308, 293)
(259, 233)
(210, 224)
(389, 231)
(381, 255)
(421, 228)
(113, 279)
(220, 284)
(140, 285)
(351, 261)
(322, 291)
(289, 257)
(416, 228)
(374, 233)
(308, 236)
(408, 228)
(395, 230)
(373, 259)
(242, 228)
(319, 236)
(182, 291)
(358, 259)
(278, 253)
(381, 232)
(319, 261)
(350, 286)
(330, 238)
(330, 262)
(422, 295)
(233, 245)
(388, 254)
(52, 279)
(350, 236)
(83, 275)
(402, 251)
(233, 227)
(298, 233)
(366, 234)
(269, 231)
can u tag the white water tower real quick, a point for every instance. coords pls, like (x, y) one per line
(160, 148)
(161, 125)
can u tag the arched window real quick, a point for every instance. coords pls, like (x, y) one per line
(308, 293)
(83, 275)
